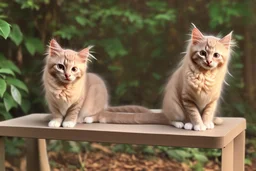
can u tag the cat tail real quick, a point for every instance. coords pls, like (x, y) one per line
(129, 109)
(133, 118)
(42, 155)
(217, 121)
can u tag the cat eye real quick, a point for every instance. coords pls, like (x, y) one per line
(60, 66)
(216, 55)
(74, 69)
(202, 53)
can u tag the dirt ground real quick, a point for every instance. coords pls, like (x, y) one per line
(104, 159)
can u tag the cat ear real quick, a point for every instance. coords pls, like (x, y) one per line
(196, 35)
(54, 48)
(84, 53)
(227, 40)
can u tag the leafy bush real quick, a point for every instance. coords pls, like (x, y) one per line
(13, 91)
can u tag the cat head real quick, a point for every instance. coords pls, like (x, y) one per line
(66, 65)
(210, 52)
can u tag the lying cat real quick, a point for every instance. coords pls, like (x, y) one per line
(73, 95)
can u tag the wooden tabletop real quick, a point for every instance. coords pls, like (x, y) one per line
(35, 126)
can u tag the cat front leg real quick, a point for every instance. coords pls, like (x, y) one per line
(57, 118)
(208, 114)
(193, 115)
(72, 115)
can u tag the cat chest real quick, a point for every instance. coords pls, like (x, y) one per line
(63, 106)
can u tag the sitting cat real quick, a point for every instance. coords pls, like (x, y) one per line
(193, 91)
(73, 95)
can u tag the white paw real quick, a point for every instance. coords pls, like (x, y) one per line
(103, 120)
(209, 125)
(188, 126)
(200, 127)
(88, 119)
(68, 124)
(54, 124)
(178, 124)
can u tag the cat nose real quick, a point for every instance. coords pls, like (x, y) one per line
(208, 62)
(67, 75)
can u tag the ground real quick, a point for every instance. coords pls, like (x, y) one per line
(103, 159)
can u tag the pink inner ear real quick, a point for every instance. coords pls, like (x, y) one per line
(197, 36)
(54, 48)
(84, 53)
(226, 40)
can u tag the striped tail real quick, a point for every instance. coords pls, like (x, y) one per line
(133, 118)
(129, 109)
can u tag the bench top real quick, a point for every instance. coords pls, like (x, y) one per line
(35, 126)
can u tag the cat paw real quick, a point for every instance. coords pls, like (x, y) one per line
(200, 127)
(188, 126)
(88, 119)
(54, 124)
(103, 120)
(68, 124)
(209, 125)
(177, 124)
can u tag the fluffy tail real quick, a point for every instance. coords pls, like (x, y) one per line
(217, 121)
(129, 109)
(133, 118)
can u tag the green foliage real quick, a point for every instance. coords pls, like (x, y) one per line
(136, 45)
(126, 148)
(4, 29)
(16, 35)
(9, 84)
(13, 146)
(68, 146)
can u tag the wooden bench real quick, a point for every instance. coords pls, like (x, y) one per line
(229, 137)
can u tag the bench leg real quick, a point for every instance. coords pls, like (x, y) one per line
(239, 152)
(227, 158)
(32, 155)
(2, 154)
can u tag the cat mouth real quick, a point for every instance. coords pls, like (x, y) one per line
(207, 66)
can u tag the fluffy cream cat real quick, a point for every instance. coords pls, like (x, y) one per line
(73, 95)
(193, 91)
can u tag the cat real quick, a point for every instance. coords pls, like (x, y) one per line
(73, 95)
(193, 90)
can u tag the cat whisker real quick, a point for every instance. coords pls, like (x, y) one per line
(230, 74)
(91, 56)
(225, 82)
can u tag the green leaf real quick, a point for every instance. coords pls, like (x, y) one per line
(177, 154)
(16, 35)
(9, 102)
(115, 68)
(8, 64)
(34, 45)
(2, 87)
(25, 105)
(81, 20)
(6, 71)
(17, 83)
(4, 29)
(5, 114)
(200, 157)
(16, 94)
(114, 47)
(156, 76)
(149, 150)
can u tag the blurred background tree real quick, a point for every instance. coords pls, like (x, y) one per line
(137, 44)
